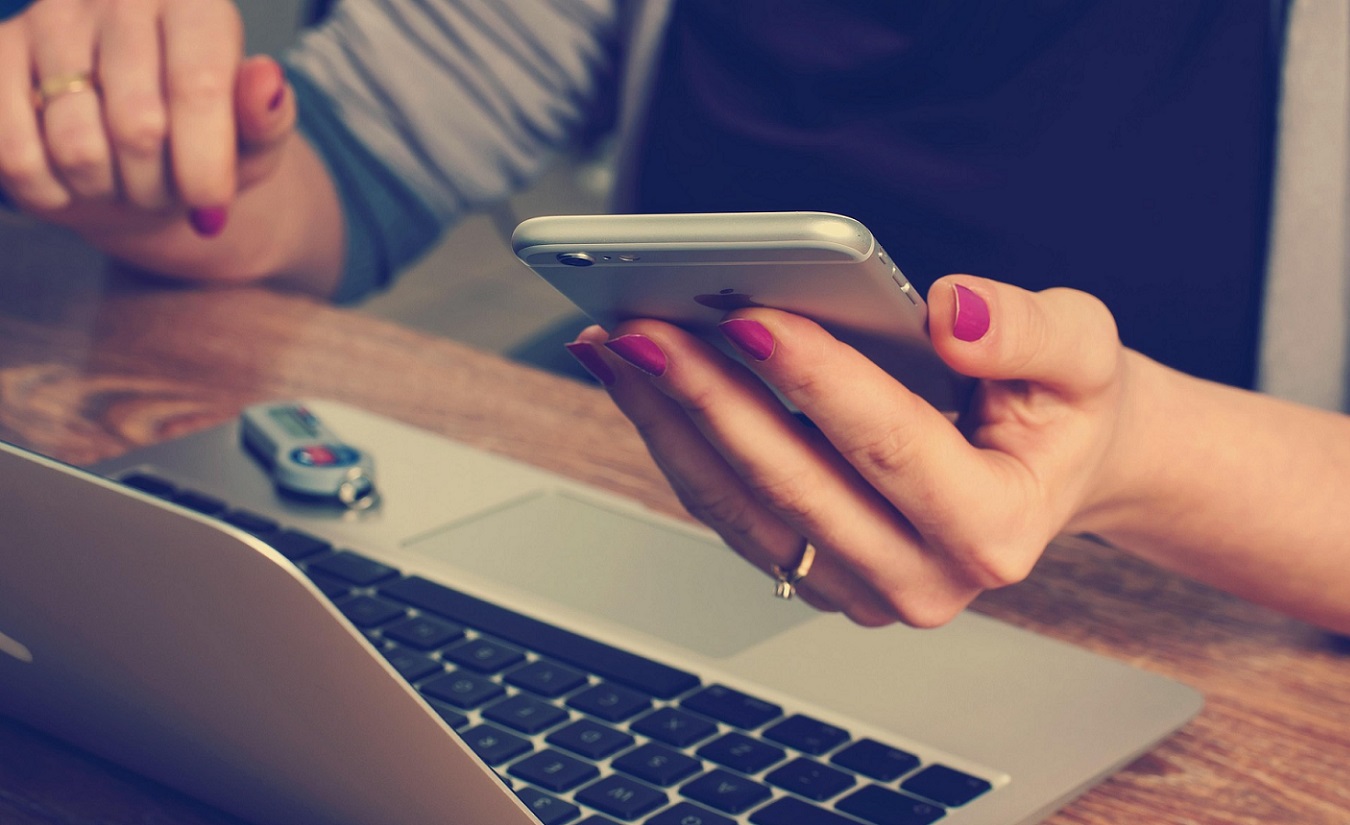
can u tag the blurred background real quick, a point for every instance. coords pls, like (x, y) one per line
(470, 287)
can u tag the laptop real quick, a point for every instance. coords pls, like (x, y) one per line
(494, 644)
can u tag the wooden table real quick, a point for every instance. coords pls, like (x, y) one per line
(94, 363)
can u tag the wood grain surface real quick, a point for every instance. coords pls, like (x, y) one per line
(94, 363)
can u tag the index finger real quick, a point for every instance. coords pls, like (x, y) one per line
(203, 47)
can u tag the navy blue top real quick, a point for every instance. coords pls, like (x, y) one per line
(9, 8)
(1122, 147)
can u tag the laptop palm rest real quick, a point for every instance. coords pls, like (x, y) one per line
(599, 560)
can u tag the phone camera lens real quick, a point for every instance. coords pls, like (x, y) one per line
(575, 259)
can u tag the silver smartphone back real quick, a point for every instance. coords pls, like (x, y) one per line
(692, 269)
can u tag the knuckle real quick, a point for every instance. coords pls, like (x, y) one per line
(993, 565)
(1008, 569)
(727, 513)
(803, 385)
(200, 85)
(869, 616)
(1093, 329)
(79, 151)
(1103, 360)
(1033, 338)
(924, 614)
(890, 451)
(1091, 307)
(139, 128)
(790, 494)
(700, 401)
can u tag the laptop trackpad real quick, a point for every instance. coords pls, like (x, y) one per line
(621, 567)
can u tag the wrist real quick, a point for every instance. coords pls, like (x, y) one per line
(1131, 482)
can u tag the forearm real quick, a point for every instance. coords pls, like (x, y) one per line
(286, 231)
(1242, 491)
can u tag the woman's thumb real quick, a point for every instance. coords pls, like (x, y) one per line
(1061, 338)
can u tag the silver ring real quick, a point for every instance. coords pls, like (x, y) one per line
(785, 581)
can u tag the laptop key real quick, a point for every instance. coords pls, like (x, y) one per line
(546, 678)
(807, 735)
(613, 703)
(525, 714)
(875, 760)
(588, 738)
(733, 707)
(657, 764)
(742, 753)
(620, 796)
(494, 745)
(611, 663)
(726, 791)
(452, 717)
(251, 522)
(789, 810)
(462, 689)
(334, 589)
(295, 545)
(945, 785)
(369, 611)
(202, 503)
(674, 727)
(554, 771)
(484, 655)
(811, 779)
(424, 633)
(354, 568)
(410, 664)
(686, 813)
(883, 806)
(146, 483)
(548, 809)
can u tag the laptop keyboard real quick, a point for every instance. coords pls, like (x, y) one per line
(590, 734)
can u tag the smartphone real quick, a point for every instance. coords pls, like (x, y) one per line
(692, 269)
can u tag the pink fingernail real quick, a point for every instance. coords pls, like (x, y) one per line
(208, 222)
(972, 315)
(640, 351)
(590, 359)
(750, 337)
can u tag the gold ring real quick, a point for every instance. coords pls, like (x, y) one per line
(785, 581)
(60, 85)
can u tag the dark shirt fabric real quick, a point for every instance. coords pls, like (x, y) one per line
(9, 8)
(1122, 147)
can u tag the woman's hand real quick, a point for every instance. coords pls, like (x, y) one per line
(119, 117)
(912, 516)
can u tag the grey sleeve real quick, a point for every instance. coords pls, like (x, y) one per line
(424, 110)
(385, 224)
